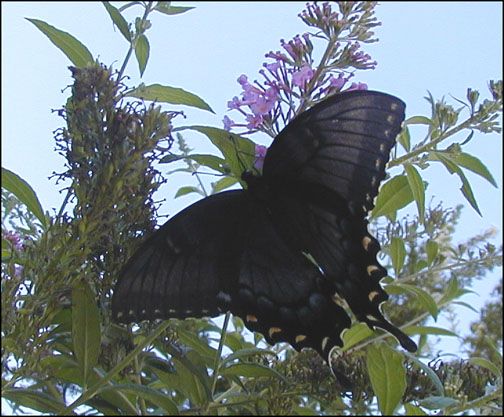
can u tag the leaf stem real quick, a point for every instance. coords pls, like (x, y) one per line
(429, 146)
(219, 352)
(93, 390)
(148, 9)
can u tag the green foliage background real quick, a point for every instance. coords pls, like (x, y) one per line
(60, 351)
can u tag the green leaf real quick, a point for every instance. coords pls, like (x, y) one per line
(206, 352)
(453, 168)
(417, 188)
(142, 49)
(428, 330)
(166, 8)
(223, 183)
(357, 333)
(187, 190)
(485, 363)
(473, 164)
(128, 5)
(432, 249)
(422, 297)
(387, 376)
(24, 192)
(404, 139)
(238, 152)
(428, 371)
(86, 334)
(6, 250)
(210, 161)
(194, 378)
(76, 52)
(453, 290)
(397, 254)
(418, 120)
(468, 194)
(40, 401)
(158, 398)
(394, 195)
(434, 403)
(166, 94)
(118, 20)
(413, 410)
(467, 305)
(251, 370)
(246, 353)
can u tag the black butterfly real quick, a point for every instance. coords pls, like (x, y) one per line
(290, 251)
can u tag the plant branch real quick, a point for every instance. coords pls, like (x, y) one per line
(94, 389)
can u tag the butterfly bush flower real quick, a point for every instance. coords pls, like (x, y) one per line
(292, 80)
(15, 239)
(260, 154)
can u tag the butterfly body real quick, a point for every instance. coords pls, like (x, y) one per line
(291, 253)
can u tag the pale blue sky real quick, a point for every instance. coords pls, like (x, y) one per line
(437, 46)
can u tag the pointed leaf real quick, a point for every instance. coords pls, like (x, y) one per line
(76, 52)
(394, 195)
(211, 161)
(468, 194)
(418, 120)
(428, 371)
(165, 94)
(128, 5)
(435, 403)
(453, 168)
(158, 398)
(464, 304)
(223, 183)
(417, 188)
(118, 20)
(473, 164)
(85, 328)
(246, 353)
(397, 254)
(24, 192)
(387, 376)
(357, 333)
(251, 370)
(142, 50)
(485, 363)
(413, 410)
(187, 190)
(427, 330)
(238, 152)
(432, 249)
(190, 339)
(423, 297)
(404, 139)
(165, 8)
(36, 400)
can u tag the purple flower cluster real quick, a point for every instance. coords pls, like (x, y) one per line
(260, 154)
(293, 82)
(15, 239)
(323, 18)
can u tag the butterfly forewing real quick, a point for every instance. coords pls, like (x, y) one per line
(324, 169)
(342, 143)
(180, 270)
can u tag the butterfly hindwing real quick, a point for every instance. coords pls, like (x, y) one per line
(281, 293)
